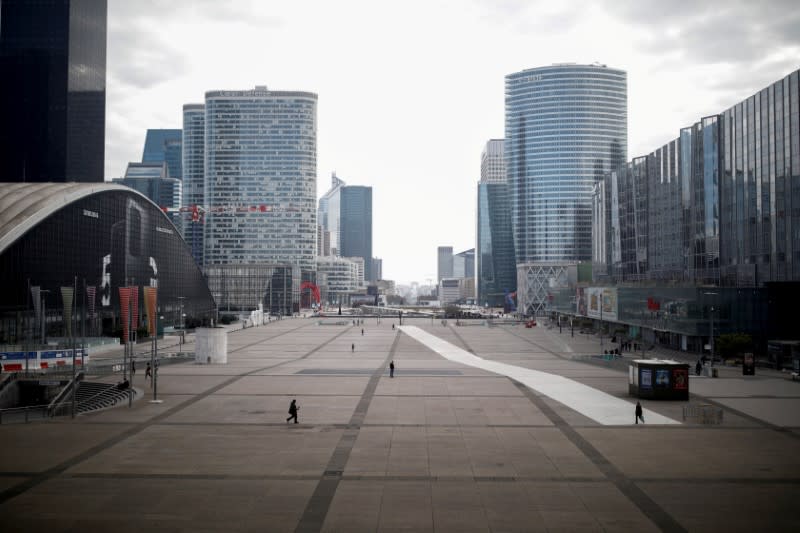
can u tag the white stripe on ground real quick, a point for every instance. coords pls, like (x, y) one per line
(592, 403)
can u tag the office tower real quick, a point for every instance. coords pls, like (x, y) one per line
(566, 125)
(193, 159)
(152, 180)
(377, 268)
(464, 264)
(328, 215)
(493, 162)
(444, 262)
(260, 177)
(355, 225)
(494, 250)
(164, 145)
(495, 261)
(53, 94)
(713, 206)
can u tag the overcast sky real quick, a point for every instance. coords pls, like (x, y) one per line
(410, 91)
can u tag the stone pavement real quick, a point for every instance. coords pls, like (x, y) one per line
(440, 447)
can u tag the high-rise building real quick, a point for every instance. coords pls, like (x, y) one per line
(495, 262)
(164, 145)
(260, 177)
(566, 126)
(193, 160)
(493, 162)
(328, 215)
(53, 94)
(152, 180)
(464, 264)
(444, 262)
(355, 225)
(712, 207)
(377, 268)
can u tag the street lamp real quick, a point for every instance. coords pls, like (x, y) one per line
(711, 315)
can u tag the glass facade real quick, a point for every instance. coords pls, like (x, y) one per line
(151, 180)
(493, 161)
(338, 278)
(712, 207)
(760, 186)
(260, 177)
(328, 215)
(193, 161)
(566, 125)
(444, 267)
(164, 145)
(100, 236)
(243, 287)
(496, 265)
(355, 225)
(52, 115)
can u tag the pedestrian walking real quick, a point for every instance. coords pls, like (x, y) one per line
(639, 413)
(391, 369)
(362, 332)
(352, 347)
(293, 408)
(392, 327)
(133, 368)
(148, 373)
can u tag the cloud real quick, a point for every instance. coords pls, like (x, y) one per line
(731, 31)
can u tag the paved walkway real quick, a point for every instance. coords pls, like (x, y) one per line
(442, 446)
(593, 403)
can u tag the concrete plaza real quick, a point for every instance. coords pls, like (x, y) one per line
(442, 446)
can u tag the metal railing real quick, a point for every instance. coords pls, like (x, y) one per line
(703, 414)
(65, 395)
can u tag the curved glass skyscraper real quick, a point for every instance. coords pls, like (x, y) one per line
(566, 124)
(261, 177)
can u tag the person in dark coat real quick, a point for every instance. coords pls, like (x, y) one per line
(391, 369)
(293, 408)
(639, 413)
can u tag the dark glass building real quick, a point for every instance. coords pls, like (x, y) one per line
(53, 95)
(355, 225)
(165, 145)
(497, 274)
(97, 238)
(760, 186)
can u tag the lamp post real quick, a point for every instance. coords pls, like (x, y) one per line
(711, 339)
(601, 319)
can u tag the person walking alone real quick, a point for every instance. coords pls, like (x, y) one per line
(391, 369)
(639, 413)
(133, 369)
(352, 347)
(148, 373)
(293, 408)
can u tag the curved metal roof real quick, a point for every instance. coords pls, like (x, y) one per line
(24, 205)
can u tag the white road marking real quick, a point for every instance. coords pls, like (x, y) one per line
(592, 403)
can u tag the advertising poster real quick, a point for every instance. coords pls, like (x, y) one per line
(646, 378)
(680, 378)
(662, 378)
(602, 302)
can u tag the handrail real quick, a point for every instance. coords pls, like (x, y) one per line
(7, 379)
(60, 397)
(105, 391)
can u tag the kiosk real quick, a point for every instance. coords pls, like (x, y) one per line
(658, 379)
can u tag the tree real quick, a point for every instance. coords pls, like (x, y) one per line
(731, 345)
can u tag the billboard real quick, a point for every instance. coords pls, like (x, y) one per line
(601, 302)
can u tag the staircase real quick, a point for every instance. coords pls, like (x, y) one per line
(92, 396)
